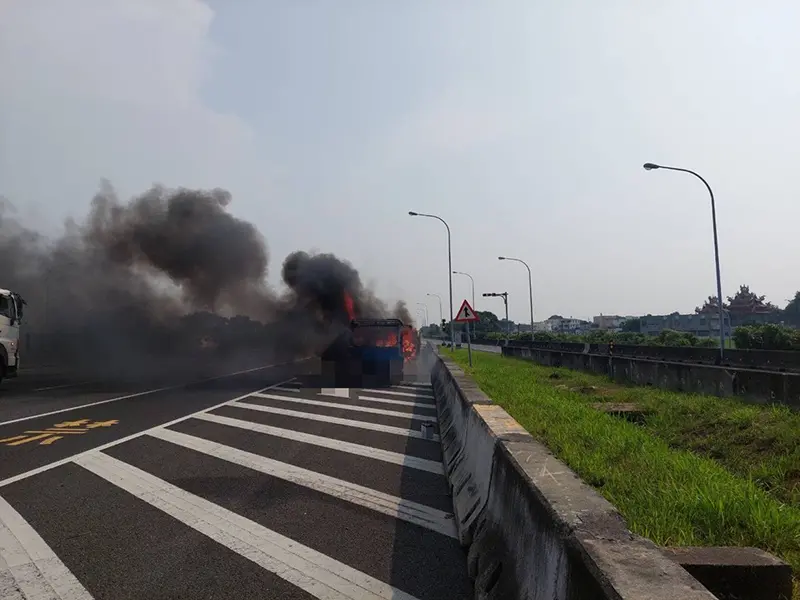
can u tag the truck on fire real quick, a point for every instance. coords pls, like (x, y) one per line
(372, 352)
(11, 305)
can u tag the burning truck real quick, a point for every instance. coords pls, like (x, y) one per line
(371, 352)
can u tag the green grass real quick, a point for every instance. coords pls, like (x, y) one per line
(703, 471)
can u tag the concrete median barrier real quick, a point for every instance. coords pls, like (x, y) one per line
(755, 386)
(532, 527)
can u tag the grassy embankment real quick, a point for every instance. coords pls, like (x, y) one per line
(700, 471)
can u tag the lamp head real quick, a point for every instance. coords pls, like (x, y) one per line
(412, 213)
(501, 258)
(650, 166)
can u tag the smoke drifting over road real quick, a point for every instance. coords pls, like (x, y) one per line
(153, 276)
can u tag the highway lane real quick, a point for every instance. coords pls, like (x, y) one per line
(219, 490)
(41, 391)
(90, 419)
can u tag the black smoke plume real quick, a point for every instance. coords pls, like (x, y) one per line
(168, 276)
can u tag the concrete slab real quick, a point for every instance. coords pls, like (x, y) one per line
(732, 573)
(629, 411)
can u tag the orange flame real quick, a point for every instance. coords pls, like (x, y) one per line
(409, 347)
(389, 341)
(349, 306)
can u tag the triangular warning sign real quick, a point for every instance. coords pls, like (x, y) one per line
(466, 314)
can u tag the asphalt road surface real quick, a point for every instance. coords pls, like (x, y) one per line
(238, 487)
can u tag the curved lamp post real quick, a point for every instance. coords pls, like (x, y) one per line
(449, 274)
(425, 308)
(530, 284)
(441, 315)
(651, 167)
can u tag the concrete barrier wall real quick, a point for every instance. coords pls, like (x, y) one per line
(772, 360)
(755, 386)
(533, 529)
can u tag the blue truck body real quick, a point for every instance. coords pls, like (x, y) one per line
(378, 347)
(369, 354)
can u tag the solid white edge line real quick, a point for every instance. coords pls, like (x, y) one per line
(406, 510)
(34, 567)
(395, 458)
(394, 393)
(310, 570)
(335, 420)
(144, 393)
(133, 436)
(352, 407)
(398, 402)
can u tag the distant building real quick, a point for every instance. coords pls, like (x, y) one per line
(610, 322)
(758, 318)
(699, 324)
(559, 324)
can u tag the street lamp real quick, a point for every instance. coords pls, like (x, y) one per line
(504, 296)
(651, 167)
(530, 284)
(421, 313)
(473, 296)
(441, 316)
(449, 274)
(425, 306)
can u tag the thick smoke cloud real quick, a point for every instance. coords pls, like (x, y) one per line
(156, 278)
(188, 236)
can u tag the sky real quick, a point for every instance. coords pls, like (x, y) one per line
(523, 124)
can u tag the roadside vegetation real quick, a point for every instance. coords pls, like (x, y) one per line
(698, 470)
(667, 337)
(764, 326)
(748, 337)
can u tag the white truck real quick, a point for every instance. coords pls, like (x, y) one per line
(10, 316)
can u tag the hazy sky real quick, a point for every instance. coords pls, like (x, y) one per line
(523, 123)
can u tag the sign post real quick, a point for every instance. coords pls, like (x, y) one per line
(467, 315)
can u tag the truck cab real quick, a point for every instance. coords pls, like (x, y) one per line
(368, 354)
(10, 316)
(378, 344)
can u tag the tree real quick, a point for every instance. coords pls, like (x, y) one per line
(793, 308)
(669, 337)
(487, 322)
(766, 337)
(599, 336)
